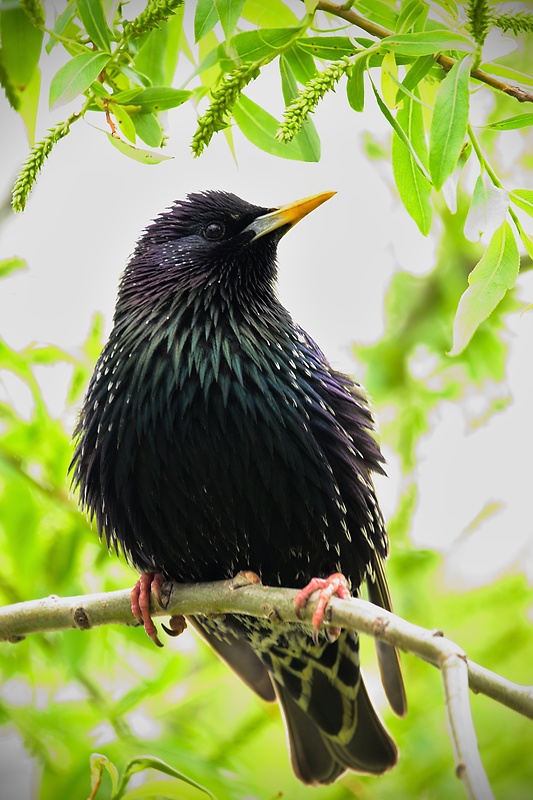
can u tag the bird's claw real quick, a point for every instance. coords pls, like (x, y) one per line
(140, 602)
(335, 584)
(177, 624)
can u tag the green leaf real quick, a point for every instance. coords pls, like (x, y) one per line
(301, 62)
(229, 12)
(523, 198)
(511, 123)
(144, 156)
(170, 790)
(92, 15)
(355, 86)
(29, 104)
(21, 45)
(97, 763)
(410, 12)
(148, 129)
(159, 98)
(379, 11)
(205, 18)
(135, 77)
(425, 43)
(488, 208)
(399, 130)
(124, 121)
(151, 762)
(269, 15)
(389, 78)
(289, 87)
(127, 97)
(265, 43)
(62, 23)
(331, 48)
(260, 128)
(151, 60)
(100, 91)
(527, 241)
(503, 71)
(449, 122)
(416, 73)
(413, 187)
(75, 77)
(176, 44)
(489, 281)
(9, 265)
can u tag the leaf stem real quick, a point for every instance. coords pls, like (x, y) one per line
(482, 158)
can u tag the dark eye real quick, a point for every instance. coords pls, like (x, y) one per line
(215, 230)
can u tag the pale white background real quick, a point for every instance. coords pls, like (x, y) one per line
(91, 202)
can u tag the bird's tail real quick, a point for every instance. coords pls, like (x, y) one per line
(331, 723)
(319, 759)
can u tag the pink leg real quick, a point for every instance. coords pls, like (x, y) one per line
(335, 584)
(140, 606)
(140, 602)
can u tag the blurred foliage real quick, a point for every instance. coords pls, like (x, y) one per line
(408, 371)
(109, 699)
(95, 710)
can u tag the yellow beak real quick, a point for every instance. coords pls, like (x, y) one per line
(286, 215)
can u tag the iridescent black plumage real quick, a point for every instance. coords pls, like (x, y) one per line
(216, 437)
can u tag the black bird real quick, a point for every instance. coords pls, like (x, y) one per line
(215, 437)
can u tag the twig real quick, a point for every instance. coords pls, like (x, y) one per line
(518, 92)
(468, 766)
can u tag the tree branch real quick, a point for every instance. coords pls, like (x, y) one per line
(238, 596)
(113, 608)
(348, 14)
(468, 766)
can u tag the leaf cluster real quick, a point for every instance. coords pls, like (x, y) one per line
(119, 68)
(420, 60)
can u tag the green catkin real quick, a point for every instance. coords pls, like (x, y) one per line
(155, 12)
(34, 11)
(307, 100)
(479, 20)
(224, 98)
(34, 163)
(521, 22)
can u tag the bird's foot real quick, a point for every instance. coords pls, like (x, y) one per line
(335, 584)
(140, 606)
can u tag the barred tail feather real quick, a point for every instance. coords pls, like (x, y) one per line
(331, 723)
(319, 759)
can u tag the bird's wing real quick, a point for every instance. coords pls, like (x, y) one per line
(352, 412)
(388, 657)
(238, 655)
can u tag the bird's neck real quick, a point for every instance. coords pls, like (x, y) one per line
(200, 337)
(210, 315)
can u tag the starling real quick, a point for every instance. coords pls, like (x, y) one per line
(215, 437)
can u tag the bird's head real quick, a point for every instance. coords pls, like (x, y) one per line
(211, 240)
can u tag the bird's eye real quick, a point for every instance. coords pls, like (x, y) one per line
(215, 230)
